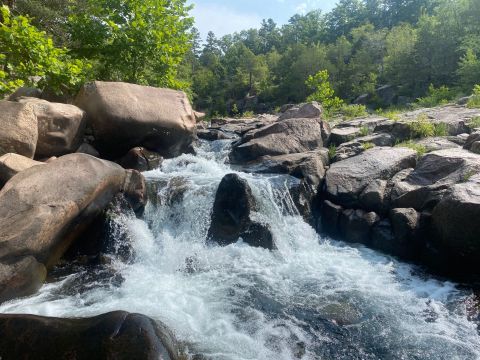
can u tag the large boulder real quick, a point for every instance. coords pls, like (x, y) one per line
(12, 164)
(60, 127)
(123, 116)
(435, 173)
(231, 219)
(19, 133)
(347, 179)
(280, 138)
(309, 166)
(304, 111)
(115, 335)
(456, 227)
(357, 146)
(45, 208)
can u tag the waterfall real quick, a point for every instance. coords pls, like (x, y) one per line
(312, 298)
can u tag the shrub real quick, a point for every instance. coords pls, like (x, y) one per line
(440, 129)
(392, 114)
(475, 122)
(353, 111)
(332, 152)
(248, 114)
(419, 148)
(323, 92)
(364, 131)
(421, 127)
(436, 96)
(368, 145)
(474, 101)
(27, 53)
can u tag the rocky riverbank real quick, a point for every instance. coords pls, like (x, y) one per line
(383, 183)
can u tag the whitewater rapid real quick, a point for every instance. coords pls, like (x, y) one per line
(313, 298)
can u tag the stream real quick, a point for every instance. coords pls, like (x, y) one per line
(313, 298)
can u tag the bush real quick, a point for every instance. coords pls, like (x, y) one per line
(440, 129)
(421, 127)
(323, 92)
(368, 145)
(474, 101)
(364, 131)
(475, 122)
(436, 96)
(419, 148)
(28, 57)
(353, 111)
(248, 114)
(392, 114)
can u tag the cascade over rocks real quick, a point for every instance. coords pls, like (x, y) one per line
(231, 220)
(19, 129)
(115, 335)
(281, 138)
(60, 127)
(123, 116)
(43, 209)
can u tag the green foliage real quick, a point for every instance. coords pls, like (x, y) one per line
(248, 114)
(392, 114)
(323, 92)
(475, 122)
(139, 41)
(436, 96)
(29, 57)
(419, 148)
(474, 101)
(353, 111)
(364, 131)
(440, 129)
(422, 127)
(332, 152)
(368, 145)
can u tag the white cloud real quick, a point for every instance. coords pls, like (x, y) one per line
(222, 20)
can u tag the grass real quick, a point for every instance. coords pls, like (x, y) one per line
(421, 127)
(332, 152)
(368, 145)
(419, 148)
(248, 114)
(474, 101)
(475, 122)
(392, 114)
(441, 129)
(353, 111)
(364, 131)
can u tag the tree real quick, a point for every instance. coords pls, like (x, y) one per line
(323, 91)
(132, 40)
(469, 71)
(29, 57)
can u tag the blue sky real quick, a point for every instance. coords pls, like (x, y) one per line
(227, 16)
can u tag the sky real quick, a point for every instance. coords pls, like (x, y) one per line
(227, 16)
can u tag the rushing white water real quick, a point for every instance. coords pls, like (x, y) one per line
(310, 299)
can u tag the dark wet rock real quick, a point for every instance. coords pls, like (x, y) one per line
(280, 138)
(60, 127)
(405, 228)
(19, 132)
(115, 335)
(12, 164)
(141, 159)
(231, 219)
(375, 197)
(45, 208)
(304, 111)
(355, 225)
(456, 227)
(123, 116)
(330, 216)
(347, 179)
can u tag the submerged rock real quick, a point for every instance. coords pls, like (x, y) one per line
(45, 208)
(123, 116)
(140, 159)
(115, 335)
(231, 220)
